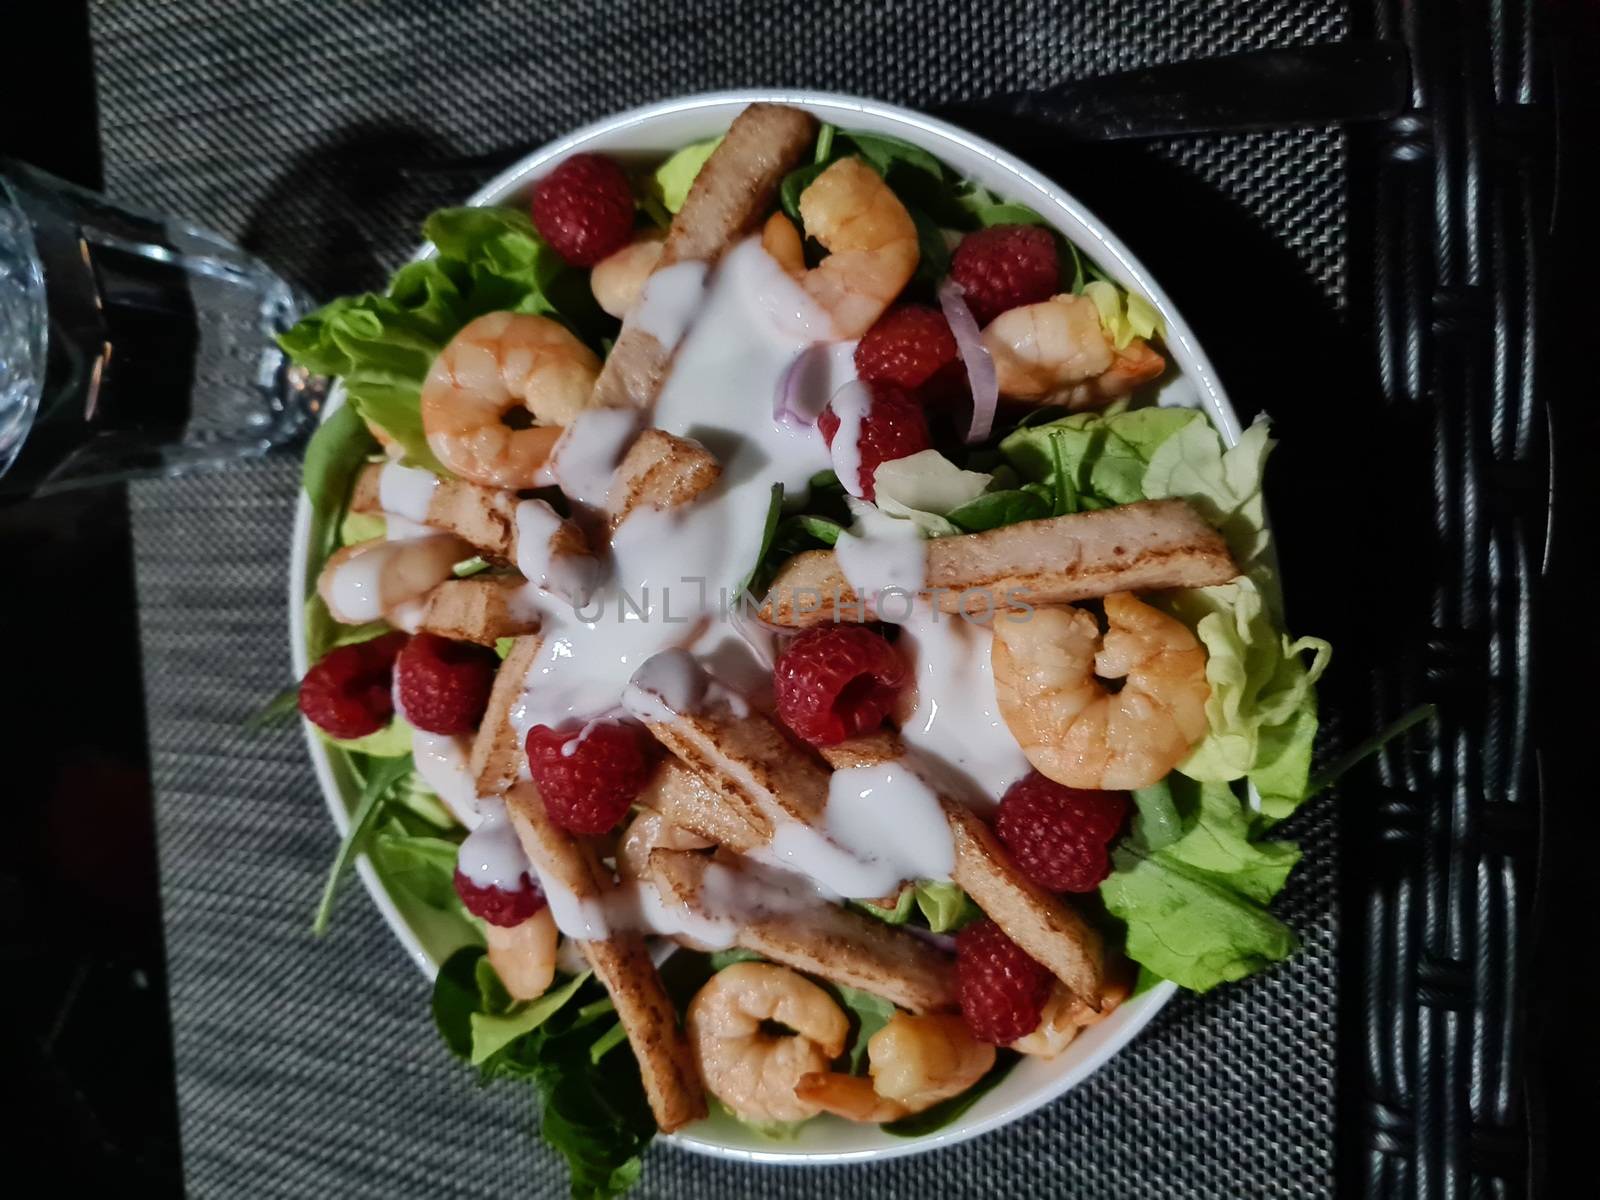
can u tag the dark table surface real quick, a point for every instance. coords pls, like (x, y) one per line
(86, 1040)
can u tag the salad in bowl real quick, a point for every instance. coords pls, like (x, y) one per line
(789, 632)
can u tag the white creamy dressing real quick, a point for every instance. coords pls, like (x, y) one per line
(658, 619)
(850, 404)
(406, 492)
(586, 455)
(568, 577)
(882, 825)
(671, 299)
(672, 573)
(950, 716)
(492, 856)
(880, 553)
(441, 760)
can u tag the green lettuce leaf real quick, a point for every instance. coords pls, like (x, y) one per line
(944, 906)
(1106, 457)
(869, 1014)
(392, 741)
(1262, 708)
(420, 865)
(382, 344)
(492, 1032)
(1223, 484)
(669, 183)
(1191, 886)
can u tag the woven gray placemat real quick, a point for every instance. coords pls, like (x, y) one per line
(310, 1068)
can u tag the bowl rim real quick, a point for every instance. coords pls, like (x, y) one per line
(1103, 246)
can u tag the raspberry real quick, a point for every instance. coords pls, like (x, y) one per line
(912, 347)
(837, 681)
(443, 685)
(1059, 835)
(584, 209)
(346, 694)
(589, 777)
(497, 905)
(893, 426)
(1006, 267)
(1002, 992)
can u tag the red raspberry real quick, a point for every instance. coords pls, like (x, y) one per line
(1006, 267)
(584, 209)
(893, 426)
(1002, 992)
(912, 347)
(444, 685)
(836, 681)
(589, 789)
(497, 905)
(346, 694)
(1059, 835)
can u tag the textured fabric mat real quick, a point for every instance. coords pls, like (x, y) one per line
(310, 1068)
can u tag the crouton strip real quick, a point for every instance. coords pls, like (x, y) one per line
(659, 471)
(1052, 933)
(1148, 546)
(825, 939)
(484, 516)
(734, 190)
(621, 962)
(496, 757)
(481, 609)
(687, 800)
(747, 762)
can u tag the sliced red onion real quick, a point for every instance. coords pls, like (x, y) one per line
(802, 391)
(980, 366)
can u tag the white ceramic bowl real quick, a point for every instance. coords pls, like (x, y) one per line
(649, 133)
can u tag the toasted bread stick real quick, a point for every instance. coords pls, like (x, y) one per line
(732, 193)
(484, 516)
(827, 940)
(621, 962)
(1046, 927)
(480, 608)
(496, 757)
(659, 471)
(688, 801)
(750, 765)
(1150, 545)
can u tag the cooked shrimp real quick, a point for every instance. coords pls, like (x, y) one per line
(1069, 726)
(649, 831)
(618, 279)
(871, 243)
(781, 239)
(1065, 1014)
(524, 956)
(1056, 351)
(751, 1070)
(498, 362)
(915, 1062)
(377, 580)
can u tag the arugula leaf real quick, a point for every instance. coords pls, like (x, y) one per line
(803, 526)
(607, 1042)
(385, 773)
(947, 1111)
(885, 154)
(492, 1032)
(755, 583)
(795, 182)
(994, 509)
(598, 1119)
(933, 253)
(825, 136)
(279, 708)
(734, 954)
(420, 865)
